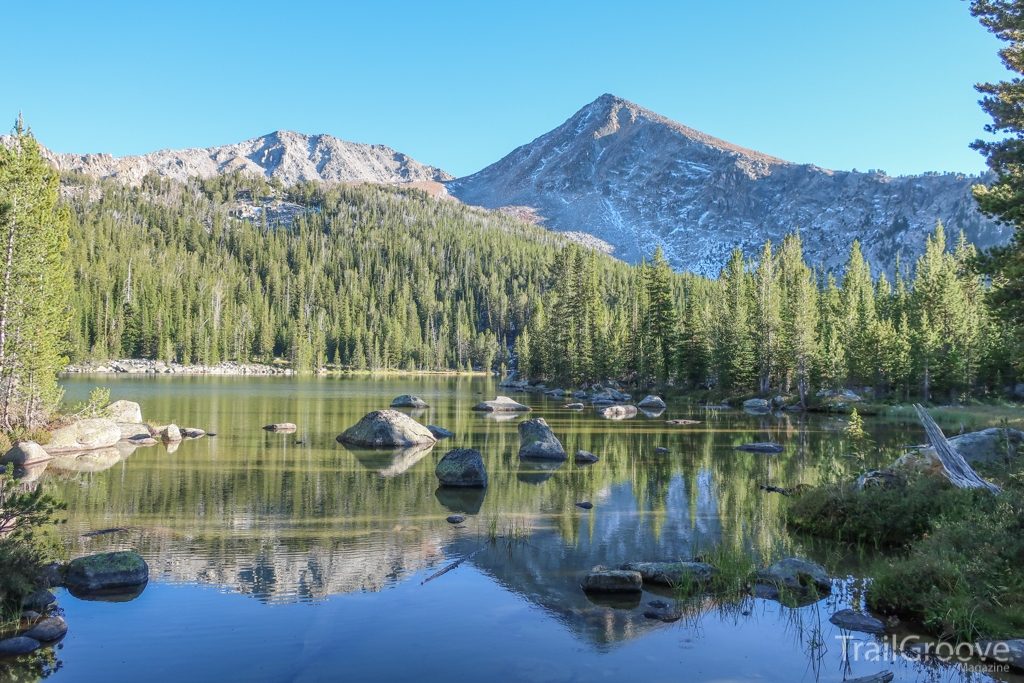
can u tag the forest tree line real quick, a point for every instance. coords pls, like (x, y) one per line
(372, 277)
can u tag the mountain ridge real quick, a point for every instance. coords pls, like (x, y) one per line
(635, 179)
(286, 155)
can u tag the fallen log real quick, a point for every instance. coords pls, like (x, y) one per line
(450, 567)
(954, 467)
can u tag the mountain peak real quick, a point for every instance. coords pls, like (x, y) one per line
(638, 180)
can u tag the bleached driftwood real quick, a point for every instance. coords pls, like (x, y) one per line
(954, 466)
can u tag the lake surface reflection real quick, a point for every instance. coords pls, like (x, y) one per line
(291, 557)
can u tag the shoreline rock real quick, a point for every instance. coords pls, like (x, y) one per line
(105, 571)
(135, 366)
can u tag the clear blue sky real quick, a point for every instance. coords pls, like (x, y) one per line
(840, 83)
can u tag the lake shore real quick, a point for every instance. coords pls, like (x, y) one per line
(142, 366)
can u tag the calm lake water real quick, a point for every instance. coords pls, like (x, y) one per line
(289, 557)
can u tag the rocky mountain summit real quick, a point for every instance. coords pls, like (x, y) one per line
(634, 179)
(290, 157)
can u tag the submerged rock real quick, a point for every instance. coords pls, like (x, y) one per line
(880, 677)
(386, 428)
(601, 580)
(666, 614)
(192, 432)
(280, 427)
(21, 645)
(585, 457)
(851, 620)
(49, 629)
(761, 447)
(661, 450)
(618, 412)
(439, 433)
(652, 402)
(84, 435)
(574, 406)
(123, 411)
(585, 505)
(107, 570)
(536, 440)
(408, 401)
(796, 574)
(462, 467)
(26, 454)
(682, 422)
(502, 404)
(455, 519)
(87, 461)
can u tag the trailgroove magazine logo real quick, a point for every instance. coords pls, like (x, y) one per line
(996, 655)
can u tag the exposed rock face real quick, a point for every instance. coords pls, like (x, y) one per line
(386, 428)
(106, 571)
(124, 411)
(796, 574)
(407, 401)
(25, 454)
(634, 179)
(289, 157)
(502, 404)
(601, 580)
(462, 467)
(652, 403)
(84, 435)
(537, 441)
(671, 573)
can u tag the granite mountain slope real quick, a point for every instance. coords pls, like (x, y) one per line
(634, 179)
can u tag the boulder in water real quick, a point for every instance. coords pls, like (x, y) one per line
(850, 620)
(84, 435)
(796, 574)
(47, 630)
(439, 432)
(123, 411)
(536, 440)
(281, 427)
(583, 457)
(756, 404)
(192, 432)
(25, 454)
(408, 401)
(386, 428)
(133, 430)
(106, 571)
(21, 645)
(601, 580)
(501, 404)
(87, 461)
(617, 412)
(652, 403)
(171, 433)
(462, 467)
(672, 573)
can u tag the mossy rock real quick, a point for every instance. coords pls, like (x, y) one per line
(106, 571)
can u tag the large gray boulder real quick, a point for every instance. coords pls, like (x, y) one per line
(796, 574)
(386, 428)
(502, 404)
(988, 445)
(408, 401)
(672, 573)
(25, 454)
(617, 412)
(601, 580)
(84, 435)
(537, 441)
(106, 571)
(440, 432)
(652, 403)
(462, 467)
(171, 433)
(123, 411)
(758, 404)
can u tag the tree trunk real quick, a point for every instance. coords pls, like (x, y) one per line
(954, 466)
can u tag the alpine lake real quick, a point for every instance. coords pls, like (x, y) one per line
(290, 557)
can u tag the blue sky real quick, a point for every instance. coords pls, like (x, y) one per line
(839, 83)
